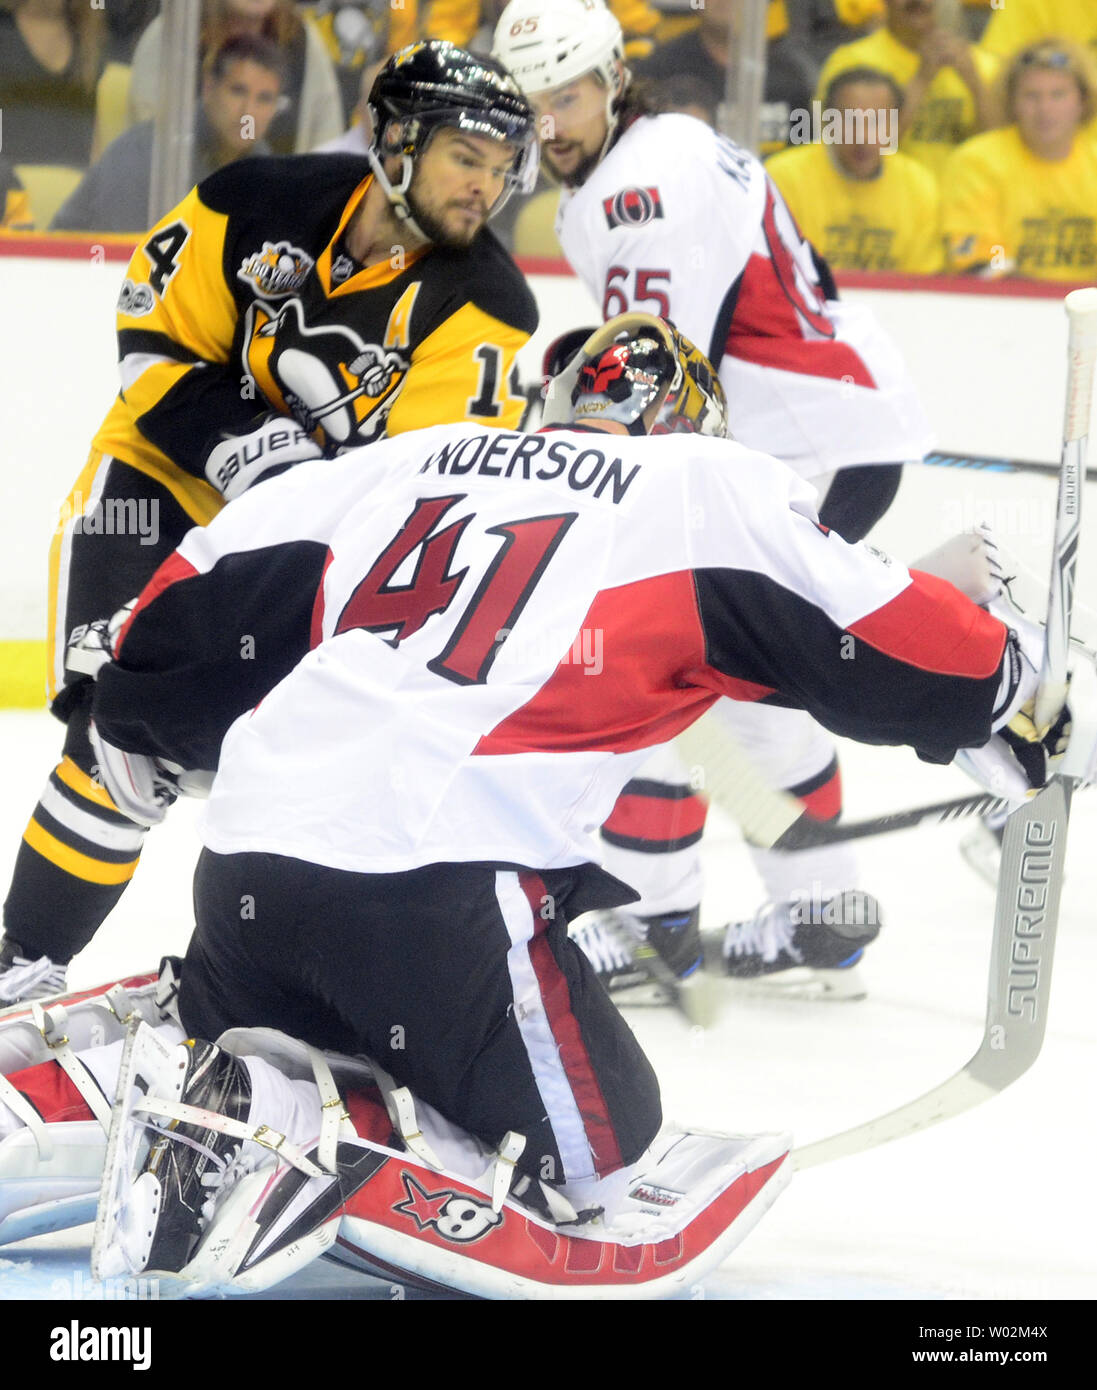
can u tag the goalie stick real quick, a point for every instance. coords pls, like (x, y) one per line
(1030, 878)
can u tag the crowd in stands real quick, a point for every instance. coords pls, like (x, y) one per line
(915, 136)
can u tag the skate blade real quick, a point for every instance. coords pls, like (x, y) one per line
(804, 983)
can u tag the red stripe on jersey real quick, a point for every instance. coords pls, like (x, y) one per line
(654, 681)
(774, 304)
(316, 625)
(170, 572)
(564, 1026)
(825, 802)
(656, 817)
(52, 1093)
(909, 629)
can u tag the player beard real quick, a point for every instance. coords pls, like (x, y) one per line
(574, 178)
(431, 223)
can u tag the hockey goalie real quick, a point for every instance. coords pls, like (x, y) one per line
(414, 1069)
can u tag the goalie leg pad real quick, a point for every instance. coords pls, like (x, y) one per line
(59, 1066)
(685, 1209)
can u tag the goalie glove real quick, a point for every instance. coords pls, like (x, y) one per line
(1020, 757)
(141, 787)
(241, 460)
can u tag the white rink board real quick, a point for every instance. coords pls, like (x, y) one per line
(990, 370)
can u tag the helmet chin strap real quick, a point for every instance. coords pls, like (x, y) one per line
(397, 194)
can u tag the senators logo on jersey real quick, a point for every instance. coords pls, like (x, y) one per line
(633, 207)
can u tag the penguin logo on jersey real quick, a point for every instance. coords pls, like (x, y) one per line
(328, 378)
(632, 207)
(453, 1215)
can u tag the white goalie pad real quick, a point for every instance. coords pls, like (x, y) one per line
(50, 1171)
(382, 1206)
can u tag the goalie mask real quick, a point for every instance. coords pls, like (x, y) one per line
(434, 84)
(639, 371)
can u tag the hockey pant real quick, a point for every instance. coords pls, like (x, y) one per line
(458, 978)
(78, 851)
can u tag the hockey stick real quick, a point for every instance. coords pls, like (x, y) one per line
(1081, 307)
(988, 463)
(1030, 878)
(769, 817)
(1025, 917)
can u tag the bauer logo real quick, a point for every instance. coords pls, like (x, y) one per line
(276, 270)
(453, 1215)
(76, 1343)
(633, 207)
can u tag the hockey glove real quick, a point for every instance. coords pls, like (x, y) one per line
(91, 645)
(1020, 758)
(241, 460)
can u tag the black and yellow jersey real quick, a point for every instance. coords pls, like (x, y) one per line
(240, 301)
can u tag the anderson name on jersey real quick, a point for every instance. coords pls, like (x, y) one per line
(808, 378)
(242, 300)
(432, 703)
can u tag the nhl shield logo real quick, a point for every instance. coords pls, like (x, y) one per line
(454, 1215)
(632, 207)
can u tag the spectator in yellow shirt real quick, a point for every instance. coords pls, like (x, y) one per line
(860, 203)
(1021, 23)
(945, 82)
(1023, 200)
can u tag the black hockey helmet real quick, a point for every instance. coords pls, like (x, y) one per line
(640, 371)
(435, 84)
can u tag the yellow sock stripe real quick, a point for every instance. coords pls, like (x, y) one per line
(72, 861)
(22, 675)
(76, 778)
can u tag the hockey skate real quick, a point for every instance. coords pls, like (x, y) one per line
(803, 949)
(23, 978)
(58, 1073)
(187, 1169)
(649, 960)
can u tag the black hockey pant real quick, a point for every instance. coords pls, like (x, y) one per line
(459, 979)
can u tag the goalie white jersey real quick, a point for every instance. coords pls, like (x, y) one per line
(809, 378)
(469, 659)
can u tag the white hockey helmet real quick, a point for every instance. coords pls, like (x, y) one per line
(549, 43)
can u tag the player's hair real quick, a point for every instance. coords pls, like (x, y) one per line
(245, 48)
(1051, 55)
(862, 74)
